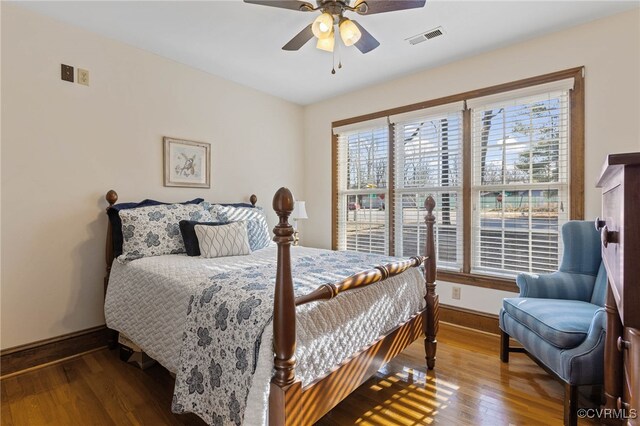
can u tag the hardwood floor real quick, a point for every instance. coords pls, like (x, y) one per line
(470, 386)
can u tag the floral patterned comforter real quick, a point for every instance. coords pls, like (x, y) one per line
(224, 326)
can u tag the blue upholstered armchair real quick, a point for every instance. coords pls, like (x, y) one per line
(559, 318)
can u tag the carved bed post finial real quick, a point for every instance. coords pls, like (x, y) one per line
(253, 199)
(432, 311)
(284, 312)
(111, 197)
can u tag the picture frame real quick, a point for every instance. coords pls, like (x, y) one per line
(187, 163)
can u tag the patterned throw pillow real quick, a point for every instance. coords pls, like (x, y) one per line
(224, 240)
(116, 224)
(257, 227)
(155, 230)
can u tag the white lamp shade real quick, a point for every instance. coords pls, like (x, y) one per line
(322, 26)
(326, 44)
(299, 211)
(349, 32)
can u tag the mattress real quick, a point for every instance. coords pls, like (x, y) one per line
(147, 300)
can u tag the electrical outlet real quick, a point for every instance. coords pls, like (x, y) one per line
(66, 72)
(455, 293)
(83, 76)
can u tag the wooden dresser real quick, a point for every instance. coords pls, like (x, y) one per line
(620, 232)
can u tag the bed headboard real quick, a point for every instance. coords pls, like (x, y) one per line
(112, 199)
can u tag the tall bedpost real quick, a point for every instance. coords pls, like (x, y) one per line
(253, 199)
(284, 314)
(112, 198)
(432, 311)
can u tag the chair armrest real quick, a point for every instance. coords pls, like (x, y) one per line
(558, 285)
(583, 365)
(598, 324)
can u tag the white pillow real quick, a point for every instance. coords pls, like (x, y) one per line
(223, 240)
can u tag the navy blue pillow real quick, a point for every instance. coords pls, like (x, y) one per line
(188, 231)
(116, 223)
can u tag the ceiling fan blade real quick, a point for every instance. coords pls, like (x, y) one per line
(284, 4)
(300, 39)
(367, 42)
(382, 6)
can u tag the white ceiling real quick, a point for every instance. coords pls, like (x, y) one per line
(242, 42)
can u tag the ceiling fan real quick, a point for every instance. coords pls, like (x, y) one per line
(332, 20)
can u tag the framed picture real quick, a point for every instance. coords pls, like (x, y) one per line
(187, 163)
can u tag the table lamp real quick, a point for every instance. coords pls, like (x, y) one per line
(299, 212)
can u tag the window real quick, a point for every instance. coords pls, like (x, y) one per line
(363, 175)
(428, 160)
(520, 182)
(503, 163)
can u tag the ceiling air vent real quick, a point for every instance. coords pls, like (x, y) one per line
(428, 35)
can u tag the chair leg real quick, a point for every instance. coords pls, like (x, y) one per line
(570, 405)
(504, 346)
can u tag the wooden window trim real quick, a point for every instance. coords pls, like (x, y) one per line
(576, 73)
(576, 147)
(576, 153)
(466, 191)
(485, 281)
(334, 191)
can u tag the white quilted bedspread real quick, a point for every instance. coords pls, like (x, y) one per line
(147, 300)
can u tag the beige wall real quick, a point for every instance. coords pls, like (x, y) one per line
(64, 145)
(608, 48)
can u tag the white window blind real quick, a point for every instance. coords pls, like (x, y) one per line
(363, 175)
(520, 194)
(428, 161)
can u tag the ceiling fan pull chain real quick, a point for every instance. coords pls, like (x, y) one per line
(333, 62)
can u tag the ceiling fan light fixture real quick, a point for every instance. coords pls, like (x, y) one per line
(326, 44)
(349, 32)
(332, 21)
(323, 26)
